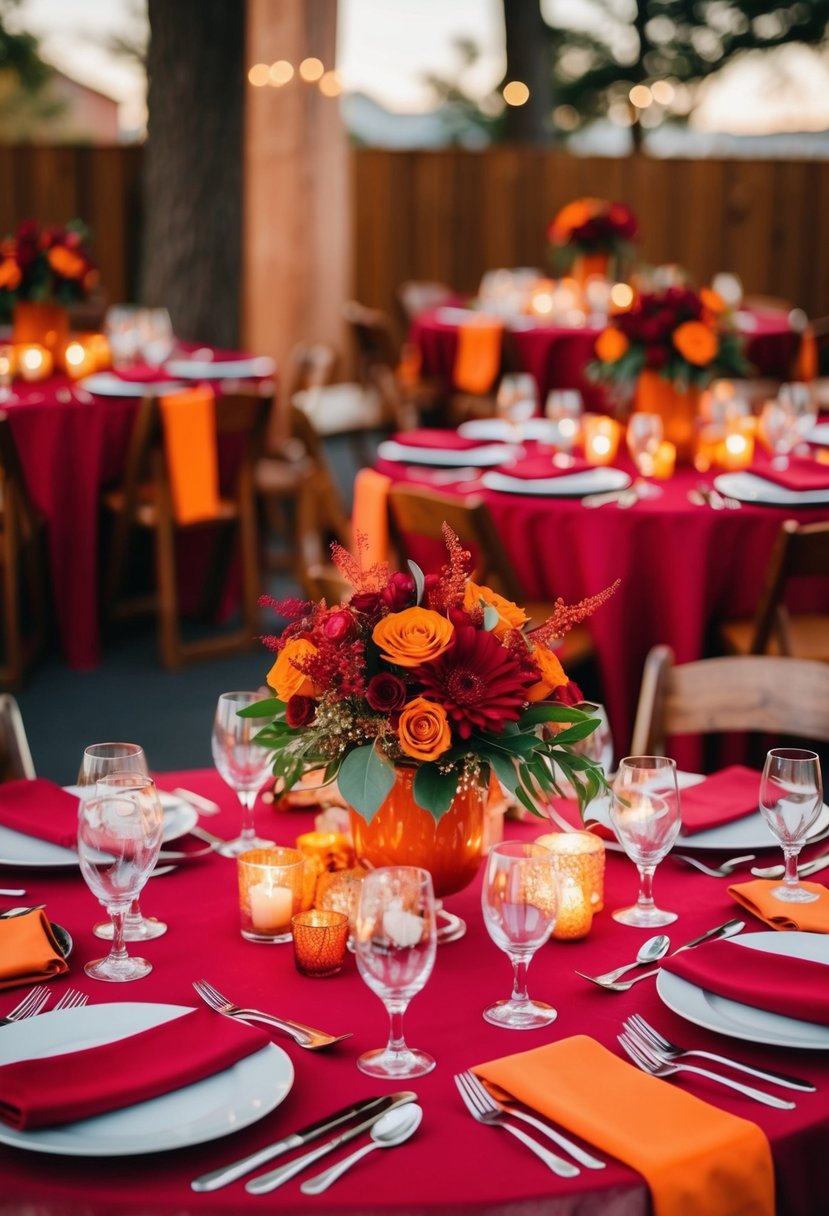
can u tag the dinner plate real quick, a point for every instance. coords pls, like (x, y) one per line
(729, 1017)
(748, 487)
(107, 384)
(218, 1105)
(218, 369)
(483, 457)
(16, 849)
(569, 485)
(497, 429)
(818, 434)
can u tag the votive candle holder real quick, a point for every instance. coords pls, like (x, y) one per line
(601, 436)
(320, 938)
(581, 855)
(270, 893)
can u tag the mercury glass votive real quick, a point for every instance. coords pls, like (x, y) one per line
(601, 436)
(581, 855)
(575, 913)
(324, 852)
(270, 892)
(320, 938)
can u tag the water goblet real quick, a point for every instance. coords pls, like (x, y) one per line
(791, 799)
(564, 408)
(520, 902)
(128, 784)
(778, 427)
(241, 762)
(644, 435)
(118, 843)
(100, 761)
(644, 812)
(516, 402)
(395, 940)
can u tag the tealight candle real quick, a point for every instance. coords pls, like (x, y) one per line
(737, 450)
(78, 359)
(664, 461)
(7, 365)
(323, 852)
(574, 918)
(270, 892)
(271, 908)
(101, 352)
(581, 856)
(601, 438)
(319, 942)
(34, 362)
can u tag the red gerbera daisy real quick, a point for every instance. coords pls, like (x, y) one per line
(477, 681)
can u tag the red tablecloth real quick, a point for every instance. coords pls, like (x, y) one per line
(452, 1164)
(557, 355)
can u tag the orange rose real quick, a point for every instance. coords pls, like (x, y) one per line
(286, 677)
(572, 216)
(9, 275)
(551, 672)
(696, 342)
(611, 345)
(413, 636)
(424, 730)
(712, 301)
(510, 616)
(64, 262)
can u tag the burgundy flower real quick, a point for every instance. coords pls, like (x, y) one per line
(656, 357)
(386, 693)
(368, 603)
(300, 711)
(567, 694)
(477, 681)
(399, 592)
(339, 626)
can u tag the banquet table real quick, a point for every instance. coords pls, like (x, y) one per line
(71, 443)
(557, 355)
(452, 1164)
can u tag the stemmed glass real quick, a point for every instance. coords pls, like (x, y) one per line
(516, 402)
(778, 426)
(564, 408)
(644, 435)
(520, 904)
(100, 761)
(241, 763)
(791, 798)
(644, 811)
(395, 940)
(118, 843)
(138, 786)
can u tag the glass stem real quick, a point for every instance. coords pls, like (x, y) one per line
(247, 799)
(520, 966)
(133, 917)
(396, 1042)
(118, 951)
(645, 896)
(790, 856)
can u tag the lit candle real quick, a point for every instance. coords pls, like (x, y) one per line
(99, 346)
(664, 461)
(738, 446)
(271, 908)
(7, 365)
(320, 940)
(575, 915)
(580, 856)
(601, 439)
(78, 359)
(34, 362)
(270, 892)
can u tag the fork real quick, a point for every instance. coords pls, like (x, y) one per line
(31, 1004)
(724, 870)
(565, 1169)
(804, 870)
(491, 1103)
(640, 1029)
(305, 1036)
(71, 999)
(650, 1061)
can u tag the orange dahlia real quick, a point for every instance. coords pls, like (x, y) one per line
(696, 342)
(611, 345)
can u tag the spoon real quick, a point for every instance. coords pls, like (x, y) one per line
(649, 952)
(394, 1127)
(729, 929)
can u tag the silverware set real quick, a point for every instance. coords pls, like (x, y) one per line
(36, 1000)
(304, 1036)
(724, 870)
(610, 983)
(707, 496)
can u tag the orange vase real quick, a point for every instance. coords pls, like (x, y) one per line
(590, 266)
(403, 834)
(678, 410)
(44, 324)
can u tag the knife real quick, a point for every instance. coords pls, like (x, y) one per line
(274, 1178)
(229, 1173)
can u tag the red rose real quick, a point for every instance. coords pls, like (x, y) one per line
(300, 711)
(656, 356)
(386, 692)
(399, 592)
(567, 694)
(339, 626)
(366, 602)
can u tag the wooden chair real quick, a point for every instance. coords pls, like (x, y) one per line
(415, 512)
(143, 503)
(419, 295)
(405, 397)
(767, 694)
(15, 757)
(801, 551)
(22, 541)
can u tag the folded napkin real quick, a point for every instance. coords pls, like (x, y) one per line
(40, 808)
(189, 421)
(756, 898)
(730, 794)
(697, 1160)
(141, 373)
(800, 474)
(794, 987)
(434, 437)
(28, 950)
(478, 356)
(35, 1093)
(534, 468)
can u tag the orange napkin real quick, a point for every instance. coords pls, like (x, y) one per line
(756, 898)
(28, 950)
(478, 357)
(697, 1160)
(370, 514)
(189, 421)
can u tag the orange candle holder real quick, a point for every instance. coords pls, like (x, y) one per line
(738, 445)
(581, 856)
(34, 362)
(320, 939)
(324, 852)
(270, 893)
(78, 359)
(602, 436)
(574, 918)
(664, 462)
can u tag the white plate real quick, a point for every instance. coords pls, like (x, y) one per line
(218, 1105)
(107, 384)
(743, 1021)
(218, 369)
(572, 485)
(748, 487)
(19, 850)
(480, 458)
(819, 434)
(496, 428)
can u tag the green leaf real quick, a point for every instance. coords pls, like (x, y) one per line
(579, 730)
(490, 617)
(548, 712)
(262, 709)
(419, 580)
(434, 790)
(365, 780)
(504, 768)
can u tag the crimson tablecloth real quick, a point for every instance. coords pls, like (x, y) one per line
(452, 1164)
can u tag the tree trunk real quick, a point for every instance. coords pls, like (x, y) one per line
(528, 58)
(192, 238)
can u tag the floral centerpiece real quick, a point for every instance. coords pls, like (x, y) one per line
(433, 677)
(588, 232)
(43, 270)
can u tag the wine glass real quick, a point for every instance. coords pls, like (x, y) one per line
(118, 843)
(241, 763)
(778, 427)
(644, 811)
(138, 786)
(520, 903)
(791, 798)
(564, 408)
(100, 761)
(516, 402)
(644, 435)
(395, 940)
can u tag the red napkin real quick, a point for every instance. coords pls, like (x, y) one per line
(434, 437)
(794, 987)
(40, 808)
(533, 468)
(42, 1092)
(142, 373)
(728, 795)
(800, 474)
